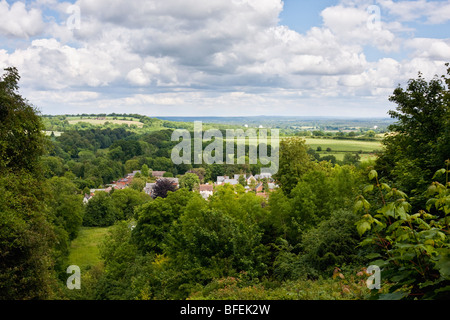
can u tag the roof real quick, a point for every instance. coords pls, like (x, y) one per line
(206, 187)
(221, 178)
(173, 180)
(231, 181)
(158, 173)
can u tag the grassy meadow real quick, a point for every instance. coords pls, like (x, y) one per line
(84, 250)
(128, 121)
(340, 147)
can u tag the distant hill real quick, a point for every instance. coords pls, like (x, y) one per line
(285, 121)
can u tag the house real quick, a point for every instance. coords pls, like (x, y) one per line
(149, 186)
(259, 188)
(158, 174)
(206, 190)
(250, 179)
(230, 181)
(220, 179)
(86, 198)
(121, 183)
(131, 175)
(93, 191)
(272, 185)
(264, 175)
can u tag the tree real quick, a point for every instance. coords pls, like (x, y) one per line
(189, 181)
(22, 141)
(156, 217)
(294, 161)
(127, 200)
(370, 134)
(137, 184)
(119, 254)
(419, 139)
(163, 187)
(145, 172)
(131, 165)
(351, 158)
(66, 204)
(242, 181)
(100, 211)
(217, 238)
(412, 247)
(200, 172)
(26, 234)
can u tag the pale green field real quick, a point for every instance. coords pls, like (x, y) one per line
(84, 250)
(344, 145)
(101, 122)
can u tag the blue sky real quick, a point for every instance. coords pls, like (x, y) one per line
(222, 57)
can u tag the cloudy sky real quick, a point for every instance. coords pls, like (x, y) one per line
(221, 57)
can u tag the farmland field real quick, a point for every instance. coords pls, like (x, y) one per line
(101, 122)
(340, 147)
(84, 250)
(344, 145)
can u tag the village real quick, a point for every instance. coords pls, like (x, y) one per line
(262, 184)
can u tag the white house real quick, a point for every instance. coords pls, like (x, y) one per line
(206, 190)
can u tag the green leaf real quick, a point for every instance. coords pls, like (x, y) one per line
(443, 265)
(362, 226)
(373, 255)
(358, 206)
(373, 174)
(385, 186)
(366, 204)
(381, 263)
(439, 173)
(368, 188)
(366, 242)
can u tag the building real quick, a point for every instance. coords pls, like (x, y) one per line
(264, 175)
(175, 181)
(220, 179)
(251, 179)
(158, 174)
(149, 186)
(206, 190)
(233, 182)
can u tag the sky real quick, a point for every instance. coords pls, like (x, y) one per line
(222, 57)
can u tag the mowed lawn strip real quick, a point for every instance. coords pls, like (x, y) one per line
(84, 250)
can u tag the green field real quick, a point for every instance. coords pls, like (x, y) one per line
(340, 147)
(84, 250)
(110, 120)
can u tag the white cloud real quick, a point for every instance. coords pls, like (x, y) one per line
(435, 12)
(17, 21)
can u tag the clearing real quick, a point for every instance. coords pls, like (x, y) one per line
(84, 250)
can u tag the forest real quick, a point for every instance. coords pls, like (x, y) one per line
(313, 238)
